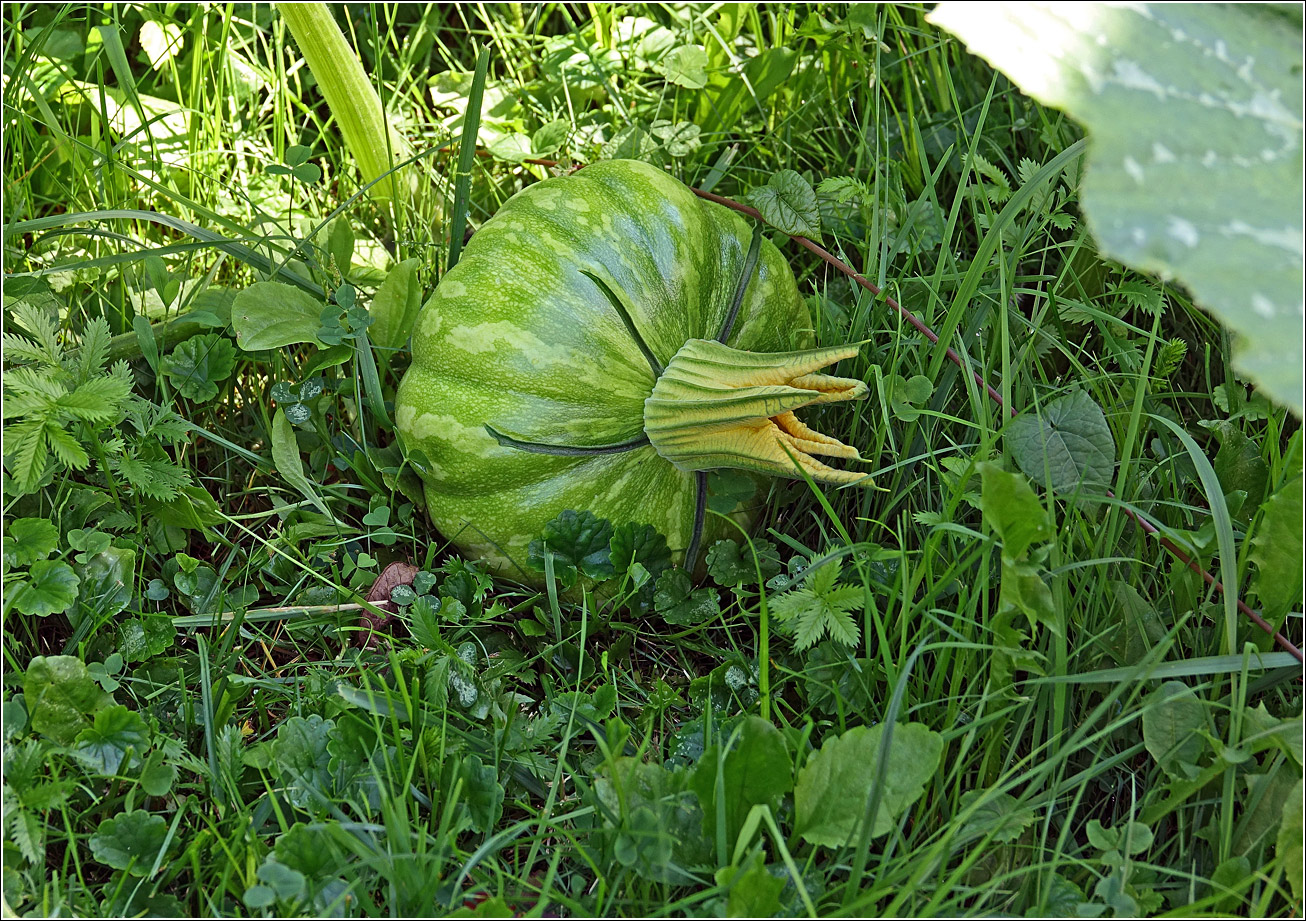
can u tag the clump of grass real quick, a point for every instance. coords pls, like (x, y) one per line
(227, 741)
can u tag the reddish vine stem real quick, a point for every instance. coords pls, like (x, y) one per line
(1148, 527)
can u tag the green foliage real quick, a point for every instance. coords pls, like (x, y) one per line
(823, 606)
(1067, 444)
(579, 543)
(858, 763)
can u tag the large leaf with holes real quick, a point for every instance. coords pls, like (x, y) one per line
(1194, 113)
(1066, 444)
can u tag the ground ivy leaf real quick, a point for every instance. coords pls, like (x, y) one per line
(684, 66)
(104, 745)
(269, 315)
(50, 588)
(196, 367)
(1172, 720)
(1012, 509)
(30, 540)
(730, 565)
(60, 693)
(680, 603)
(130, 841)
(579, 541)
(832, 792)
(788, 203)
(1068, 443)
(1170, 108)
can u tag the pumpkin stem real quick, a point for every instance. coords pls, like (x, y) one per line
(715, 406)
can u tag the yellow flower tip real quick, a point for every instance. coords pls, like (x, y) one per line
(715, 406)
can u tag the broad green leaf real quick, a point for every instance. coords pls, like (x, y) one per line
(60, 695)
(1012, 509)
(753, 892)
(285, 454)
(29, 540)
(269, 314)
(130, 841)
(788, 203)
(1277, 552)
(550, 137)
(117, 730)
(1067, 443)
(395, 305)
(1173, 717)
(1138, 627)
(1288, 846)
(50, 588)
(678, 138)
(105, 581)
(157, 775)
(1194, 113)
(833, 789)
(1263, 806)
(482, 793)
(685, 66)
(756, 770)
(998, 814)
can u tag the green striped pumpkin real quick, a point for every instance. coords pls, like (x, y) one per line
(571, 360)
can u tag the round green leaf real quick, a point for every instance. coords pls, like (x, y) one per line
(1068, 444)
(130, 841)
(50, 588)
(29, 540)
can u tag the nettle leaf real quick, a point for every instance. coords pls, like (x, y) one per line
(1068, 443)
(1012, 509)
(579, 541)
(196, 367)
(681, 604)
(30, 540)
(50, 588)
(1172, 722)
(269, 315)
(1183, 97)
(131, 841)
(684, 66)
(639, 543)
(788, 203)
(60, 694)
(834, 786)
(731, 565)
(105, 744)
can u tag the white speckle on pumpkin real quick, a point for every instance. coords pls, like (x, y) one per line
(1133, 169)
(448, 428)
(545, 199)
(1263, 306)
(578, 204)
(505, 335)
(1161, 153)
(452, 289)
